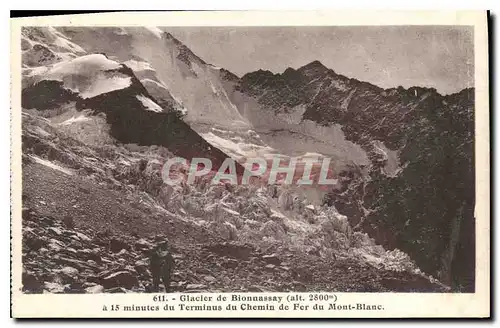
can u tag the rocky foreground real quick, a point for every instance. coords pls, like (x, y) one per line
(61, 258)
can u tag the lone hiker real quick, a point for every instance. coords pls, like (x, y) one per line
(161, 265)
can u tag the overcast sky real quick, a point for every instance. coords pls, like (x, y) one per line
(432, 56)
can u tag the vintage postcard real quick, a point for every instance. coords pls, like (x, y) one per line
(330, 164)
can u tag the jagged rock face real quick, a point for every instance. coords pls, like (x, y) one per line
(425, 206)
(429, 208)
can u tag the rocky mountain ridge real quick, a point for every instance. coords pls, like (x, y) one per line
(410, 136)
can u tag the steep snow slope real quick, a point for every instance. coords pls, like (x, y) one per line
(171, 64)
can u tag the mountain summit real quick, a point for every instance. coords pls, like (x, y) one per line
(313, 68)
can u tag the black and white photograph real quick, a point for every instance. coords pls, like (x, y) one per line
(179, 160)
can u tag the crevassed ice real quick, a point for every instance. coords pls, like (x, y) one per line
(51, 165)
(73, 119)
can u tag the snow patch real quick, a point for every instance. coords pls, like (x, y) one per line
(51, 165)
(35, 71)
(221, 142)
(73, 119)
(214, 90)
(42, 132)
(149, 104)
(138, 66)
(313, 155)
(105, 85)
(155, 83)
(235, 149)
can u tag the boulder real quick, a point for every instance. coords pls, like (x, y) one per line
(56, 231)
(55, 245)
(192, 287)
(270, 267)
(97, 289)
(69, 271)
(142, 267)
(75, 287)
(209, 279)
(116, 245)
(53, 287)
(271, 259)
(66, 275)
(273, 229)
(360, 239)
(340, 223)
(225, 230)
(142, 244)
(123, 252)
(83, 237)
(120, 279)
(81, 265)
(32, 242)
(89, 255)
